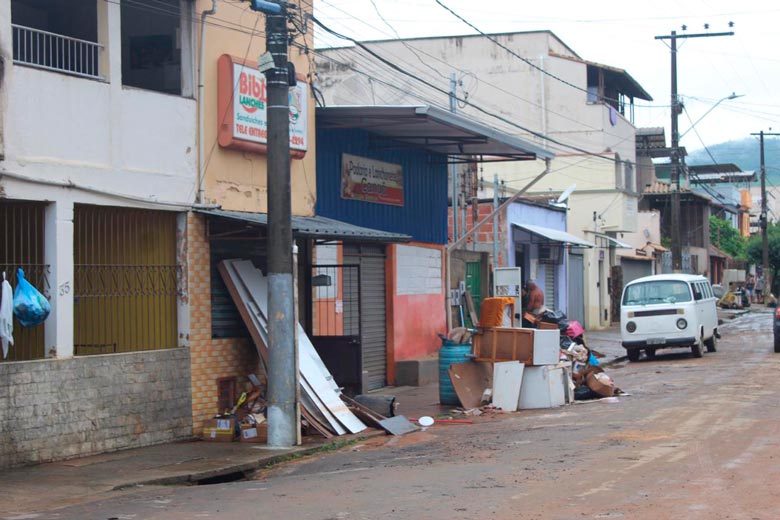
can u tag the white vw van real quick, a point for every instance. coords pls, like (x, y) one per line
(668, 310)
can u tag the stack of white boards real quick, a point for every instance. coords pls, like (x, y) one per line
(321, 397)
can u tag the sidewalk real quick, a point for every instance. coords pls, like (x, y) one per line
(59, 484)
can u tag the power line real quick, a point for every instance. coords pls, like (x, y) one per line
(521, 58)
(447, 93)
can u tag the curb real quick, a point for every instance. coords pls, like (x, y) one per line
(246, 467)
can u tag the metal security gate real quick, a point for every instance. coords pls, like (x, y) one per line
(373, 316)
(334, 326)
(22, 246)
(576, 293)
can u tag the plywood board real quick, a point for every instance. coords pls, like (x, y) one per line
(507, 380)
(470, 380)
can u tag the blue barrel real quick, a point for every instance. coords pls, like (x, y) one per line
(448, 355)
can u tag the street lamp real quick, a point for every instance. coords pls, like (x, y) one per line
(729, 97)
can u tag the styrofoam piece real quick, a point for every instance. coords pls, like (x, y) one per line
(542, 387)
(507, 381)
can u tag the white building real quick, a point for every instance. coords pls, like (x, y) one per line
(531, 85)
(98, 167)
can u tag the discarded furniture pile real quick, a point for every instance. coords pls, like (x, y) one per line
(543, 364)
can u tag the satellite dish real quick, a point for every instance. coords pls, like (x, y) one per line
(565, 195)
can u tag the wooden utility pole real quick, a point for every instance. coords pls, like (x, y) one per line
(677, 163)
(764, 221)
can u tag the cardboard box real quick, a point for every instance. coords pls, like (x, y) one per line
(604, 390)
(254, 433)
(219, 430)
(547, 347)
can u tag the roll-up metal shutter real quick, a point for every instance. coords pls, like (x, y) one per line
(576, 288)
(371, 259)
(633, 269)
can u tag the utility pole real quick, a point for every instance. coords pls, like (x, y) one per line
(496, 264)
(453, 166)
(677, 164)
(282, 355)
(764, 221)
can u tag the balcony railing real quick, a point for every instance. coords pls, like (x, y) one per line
(50, 51)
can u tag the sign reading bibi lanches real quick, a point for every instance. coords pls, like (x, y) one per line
(243, 109)
(371, 181)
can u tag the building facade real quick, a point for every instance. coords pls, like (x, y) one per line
(530, 85)
(104, 159)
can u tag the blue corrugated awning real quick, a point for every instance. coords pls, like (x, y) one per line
(554, 235)
(314, 227)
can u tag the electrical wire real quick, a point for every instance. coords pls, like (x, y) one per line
(439, 89)
(418, 51)
(518, 56)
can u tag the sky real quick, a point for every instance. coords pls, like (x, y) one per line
(618, 34)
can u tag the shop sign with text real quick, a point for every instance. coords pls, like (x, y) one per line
(243, 109)
(371, 181)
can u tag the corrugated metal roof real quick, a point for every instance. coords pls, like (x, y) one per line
(555, 235)
(611, 241)
(431, 128)
(313, 227)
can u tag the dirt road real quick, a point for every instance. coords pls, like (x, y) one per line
(697, 439)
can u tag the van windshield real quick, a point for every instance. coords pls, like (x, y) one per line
(660, 291)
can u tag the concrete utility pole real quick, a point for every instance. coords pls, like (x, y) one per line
(282, 356)
(677, 164)
(453, 166)
(764, 221)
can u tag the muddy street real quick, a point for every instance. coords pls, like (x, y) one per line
(697, 438)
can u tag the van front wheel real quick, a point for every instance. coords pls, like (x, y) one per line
(712, 343)
(698, 348)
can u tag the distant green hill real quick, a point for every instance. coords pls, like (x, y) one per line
(745, 153)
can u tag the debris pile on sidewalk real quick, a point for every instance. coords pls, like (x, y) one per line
(544, 364)
(322, 409)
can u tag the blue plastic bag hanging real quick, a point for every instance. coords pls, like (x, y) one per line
(31, 308)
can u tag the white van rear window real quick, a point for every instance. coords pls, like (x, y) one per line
(660, 291)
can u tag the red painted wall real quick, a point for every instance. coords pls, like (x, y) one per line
(413, 321)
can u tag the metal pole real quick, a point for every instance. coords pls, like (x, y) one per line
(283, 370)
(495, 221)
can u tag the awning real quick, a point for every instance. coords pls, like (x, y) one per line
(636, 257)
(657, 247)
(553, 235)
(433, 129)
(313, 227)
(607, 241)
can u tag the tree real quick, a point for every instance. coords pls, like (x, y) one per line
(755, 251)
(726, 237)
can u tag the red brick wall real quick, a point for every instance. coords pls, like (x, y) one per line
(484, 235)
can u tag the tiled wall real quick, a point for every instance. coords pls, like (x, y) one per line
(212, 359)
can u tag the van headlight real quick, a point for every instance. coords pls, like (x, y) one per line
(682, 323)
(631, 326)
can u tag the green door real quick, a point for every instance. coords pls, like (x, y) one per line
(474, 286)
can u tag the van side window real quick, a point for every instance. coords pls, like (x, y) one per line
(708, 290)
(697, 291)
